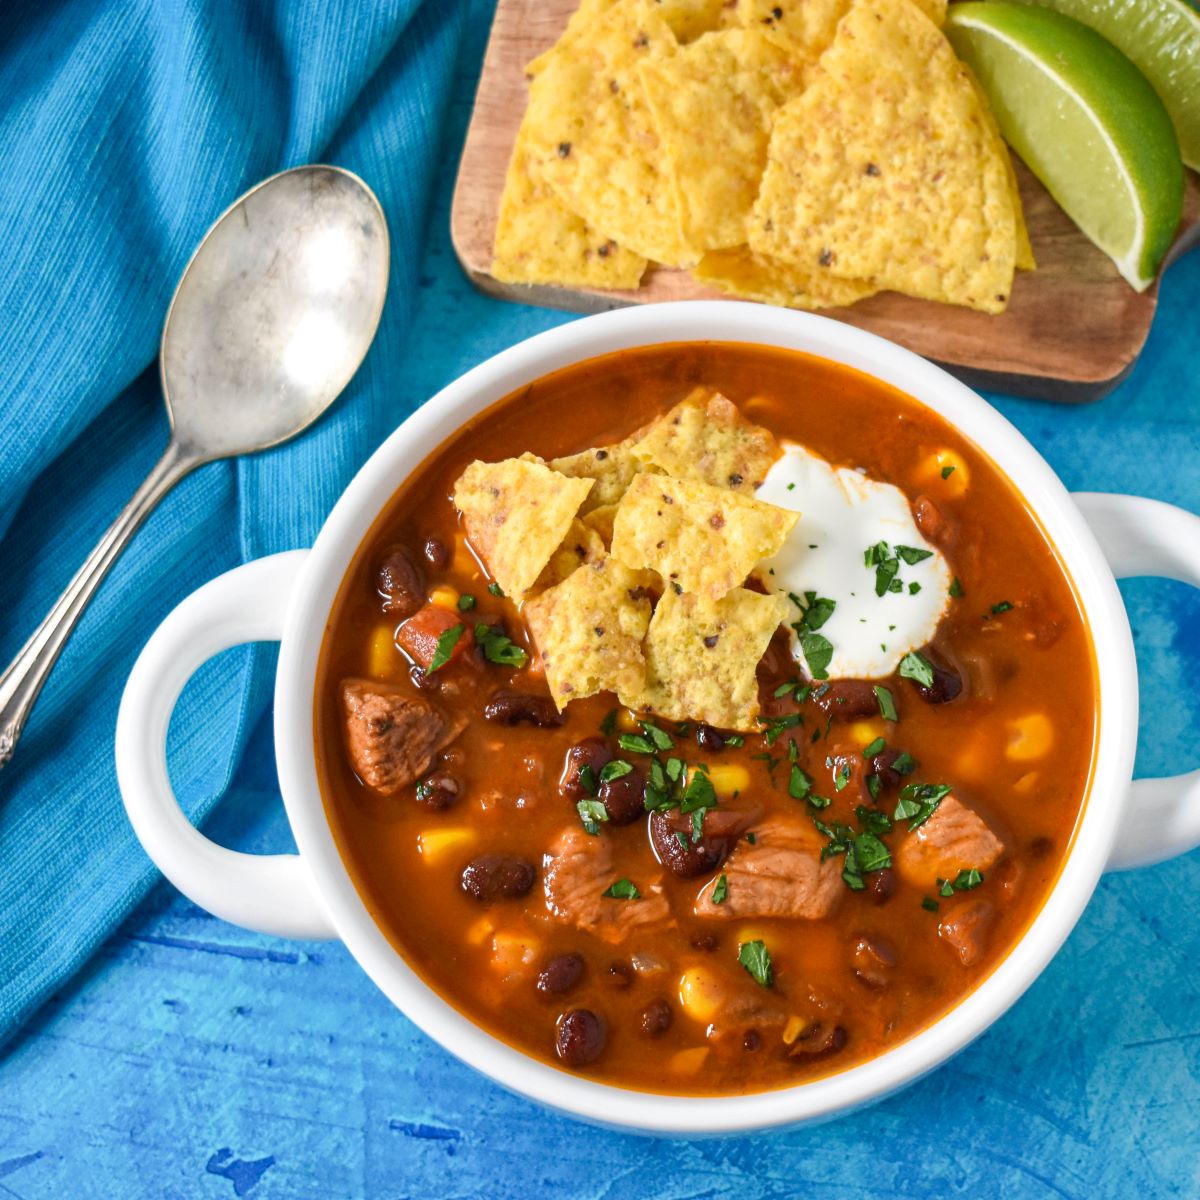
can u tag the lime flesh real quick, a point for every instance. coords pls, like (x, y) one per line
(1086, 122)
(1162, 38)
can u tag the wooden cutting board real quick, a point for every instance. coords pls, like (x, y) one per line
(1072, 331)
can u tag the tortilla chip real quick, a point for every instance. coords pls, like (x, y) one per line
(601, 520)
(612, 467)
(885, 170)
(580, 22)
(539, 239)
(581, 545)
(749, 276)
(701, 657)
(690, 19)
(591, 139)
(589, 631)
(698, 538)
(705, 437)
(712, 103)
(516, 514)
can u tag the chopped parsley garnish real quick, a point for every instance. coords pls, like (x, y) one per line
(918, 802)
(499, 648)
(818, 652)
(819, 802)
(756, 958)
(945, 888)
(948, 471)
(915, 666)
(495, 589)
(593, 814)
(752, 838)
(1003, 607)
(613, 769)
(425, 790)
(914, 588)
(912, 555)
(873, 821)
(635, 743)
(874, 748)
(799, 784)
(929, 904)
(776, 726)
(735, 739)
(622, 890)
(699, 794)
(720, 891)
(587, 779)
(905, 764)
(874, 786)
(956, 588)
(446, 642)
(966, 881)
(842, 777)
(815, 610)
(661, 739)
(887, 703)
(698, 825)
(609, 724)
(466, 602)
(863, 853)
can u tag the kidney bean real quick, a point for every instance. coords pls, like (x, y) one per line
(439, 790)
(881, 885)
(436, 554)
(656, 1018)
(423, 680)
(400, 582)
(591, 752)
(930, 521)
(947, 682)
(509, 707)
(580, 1037)
(847, 699)
(751, 1039)
(560, 974)
(689, 860)
(873, 959)
(624, 798)
(882, 765)
(492, 877)
(818, 1039)
(708, 738)
(967, 929)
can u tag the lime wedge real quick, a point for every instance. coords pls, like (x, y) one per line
(1086, 122)
(1162, 37)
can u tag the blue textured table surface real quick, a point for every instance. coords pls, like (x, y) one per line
(193, 1059)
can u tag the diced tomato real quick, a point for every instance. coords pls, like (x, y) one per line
(418, 636)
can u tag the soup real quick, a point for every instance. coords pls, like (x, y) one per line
(749, 826)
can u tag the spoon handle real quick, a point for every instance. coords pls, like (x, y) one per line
(27, 673)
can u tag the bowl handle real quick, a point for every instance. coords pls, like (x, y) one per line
(1148, 537)
(270, 893)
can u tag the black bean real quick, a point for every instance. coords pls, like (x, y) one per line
(400, 582)
(848, 699)
(751, 1039)
(625, 797)
(883, 766)
(436, 554)
(423, 680)
(687, 858)
(591, 752)
(656, 1018)
(947, 684)
(708, 738)
(510, 707)
(881, 885)
(439, 790)
(818, 1039)
(492, 877)
(580, 1037)
(705, 941)
(872, 960)
(560, 974)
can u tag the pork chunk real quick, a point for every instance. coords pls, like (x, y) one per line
(392, 736)
(954, 839)
(576, 873)
(780, 875)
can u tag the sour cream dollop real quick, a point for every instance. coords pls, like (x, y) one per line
(843, 513)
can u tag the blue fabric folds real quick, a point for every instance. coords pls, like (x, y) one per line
(126, 126)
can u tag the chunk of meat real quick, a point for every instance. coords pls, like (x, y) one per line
(780, 875)
(967, 929)
(392, 735)
(954, 839)
(576, 873)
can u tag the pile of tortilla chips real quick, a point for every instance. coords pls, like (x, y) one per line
(805, 153)
(628, 561)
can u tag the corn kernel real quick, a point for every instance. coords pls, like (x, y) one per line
(628, 721)
(444, 597)
(945, 473)
(793, 1029)
(754, 933)
(513, 951)
(728, 778)
(687, 1062)
(383, 659)
(700, 993)
(1029, 737)
(436, 845)
(977, 753)
(863, 733)
(479, 932)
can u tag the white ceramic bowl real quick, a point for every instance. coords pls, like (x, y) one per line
(288, 598)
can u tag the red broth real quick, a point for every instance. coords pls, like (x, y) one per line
(668, 1005)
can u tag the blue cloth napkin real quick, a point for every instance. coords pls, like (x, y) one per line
(126, 127)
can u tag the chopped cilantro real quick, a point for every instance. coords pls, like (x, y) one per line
(609, 724)
(587, 779)
(614, 770)
(776, 726)
(887, 703)
(499, 648)
(1002, 607)
(929, 904)
(755, 957)
(735, 740)
(965, 881)
(914, 665)
(593, 814)
(874, 786)
(914, 588)
(799, 784)
(495, 589)
(818, 652)
(874, 748)
(635, 743)
(622, 890)
(752, 838)
(466, 602)
(818, 802)
(873, 821)
(905, 764)
(700, 794)
(948, 471)
(912, 555)
(446, 642)
(945, 888)
(661, 739)
(698, 825)
(956, 588)
(842, 777)
(918, 802)
(720, 891)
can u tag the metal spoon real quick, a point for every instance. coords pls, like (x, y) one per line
(270, 321)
